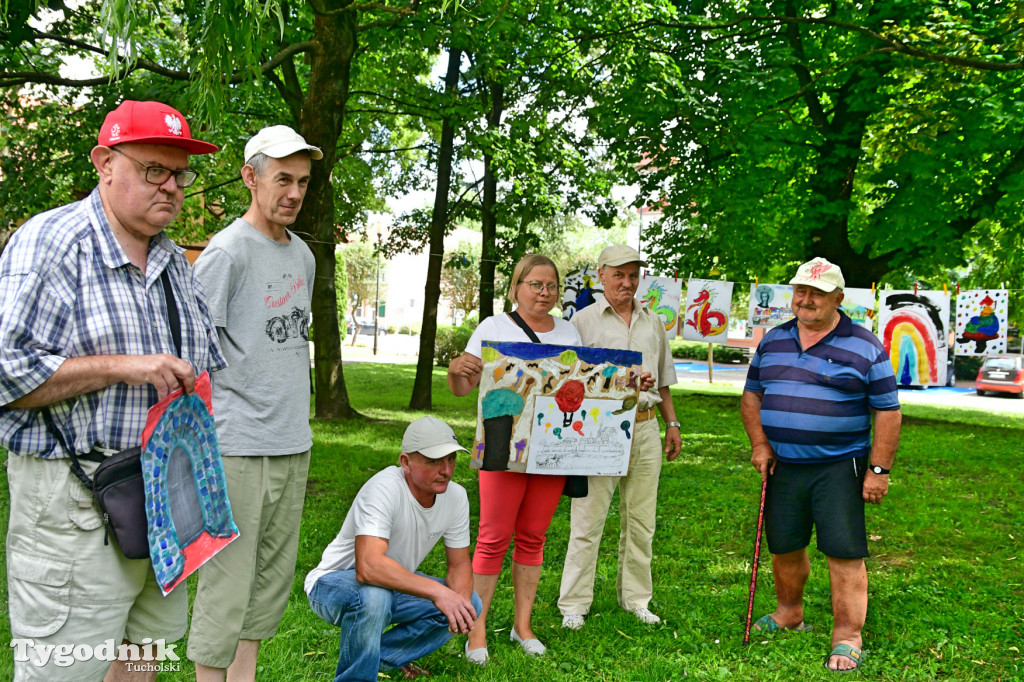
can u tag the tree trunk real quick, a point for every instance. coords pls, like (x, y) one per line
(488, 219)
(421, 390)
(323, 115)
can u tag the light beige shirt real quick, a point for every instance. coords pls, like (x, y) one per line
(601, 327)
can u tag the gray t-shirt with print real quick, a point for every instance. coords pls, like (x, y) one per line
(259, 293)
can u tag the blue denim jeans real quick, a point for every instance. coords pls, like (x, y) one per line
(363, 611)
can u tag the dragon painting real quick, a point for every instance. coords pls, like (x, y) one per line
(653, 301)
(707, 322)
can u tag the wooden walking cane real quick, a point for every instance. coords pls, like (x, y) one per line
(753, 571)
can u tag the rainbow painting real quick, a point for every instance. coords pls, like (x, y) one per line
(913, 328)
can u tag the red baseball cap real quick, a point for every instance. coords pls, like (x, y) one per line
(150, 123)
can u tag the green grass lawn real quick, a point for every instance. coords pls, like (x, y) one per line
(946, 578)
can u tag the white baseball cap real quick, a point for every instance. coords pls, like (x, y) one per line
(820, 274)
(278, 142)
(430, 437)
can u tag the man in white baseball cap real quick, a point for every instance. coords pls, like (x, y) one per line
(367, 579)
(821, 409)
(258, 277)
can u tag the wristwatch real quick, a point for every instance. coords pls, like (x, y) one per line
(878, 470)
(669, 425)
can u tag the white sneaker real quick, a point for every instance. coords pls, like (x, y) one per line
(573, 621)
(646, 617)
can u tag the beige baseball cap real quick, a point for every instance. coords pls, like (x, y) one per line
(820, 274)
(619, 254)
(430, 437)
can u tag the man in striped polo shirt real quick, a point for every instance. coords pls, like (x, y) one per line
(807, 405)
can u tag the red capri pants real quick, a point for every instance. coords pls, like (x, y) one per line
(512, 503)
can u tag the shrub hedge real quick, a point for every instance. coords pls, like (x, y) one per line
(694, 350)
(451, 342)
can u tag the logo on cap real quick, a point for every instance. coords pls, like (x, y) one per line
(173, 124)
(115, 132)
(818, 269)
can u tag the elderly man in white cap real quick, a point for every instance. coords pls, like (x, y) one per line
(258, 277)
(619, 321)
(811, 390)
(368, 578)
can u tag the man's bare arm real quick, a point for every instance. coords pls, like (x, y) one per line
(884, 442)
(673, 440)
(761, 454)
(78, 376)
(460, 574)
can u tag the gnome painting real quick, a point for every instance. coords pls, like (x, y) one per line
(981, 322)
(552, 409)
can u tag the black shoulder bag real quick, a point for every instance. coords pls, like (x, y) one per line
(575, 486)
(117, 484)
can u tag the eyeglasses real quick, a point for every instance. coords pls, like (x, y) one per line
(155, 175)
(537, 287)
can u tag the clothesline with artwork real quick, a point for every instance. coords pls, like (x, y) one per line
(912, 325)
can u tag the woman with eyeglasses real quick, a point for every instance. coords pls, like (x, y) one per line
(513, 504)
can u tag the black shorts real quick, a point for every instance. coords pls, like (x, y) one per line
(829, 497)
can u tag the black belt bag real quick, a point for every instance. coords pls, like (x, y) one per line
(119, 492)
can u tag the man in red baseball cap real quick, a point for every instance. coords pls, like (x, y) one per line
(87, 292)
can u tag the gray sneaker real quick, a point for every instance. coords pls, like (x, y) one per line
(646, 617)
(573, 621)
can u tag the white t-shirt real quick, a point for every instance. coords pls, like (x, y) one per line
(385, 508)
(503, 328)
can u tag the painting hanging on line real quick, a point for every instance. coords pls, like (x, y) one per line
(662, 296)
(981, 318)
(707, 310)
(770, 305)
(552, 409)
(859, 305)
(581, 289)
(913, 328)
(186, 492)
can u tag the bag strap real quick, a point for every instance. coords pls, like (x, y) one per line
(76, 464)
(172, 309)
(518, 319)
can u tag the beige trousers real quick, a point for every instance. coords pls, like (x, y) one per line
(638, 498)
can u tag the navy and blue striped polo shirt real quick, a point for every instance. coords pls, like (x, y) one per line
(816, 404)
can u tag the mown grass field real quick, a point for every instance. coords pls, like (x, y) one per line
(946, 577)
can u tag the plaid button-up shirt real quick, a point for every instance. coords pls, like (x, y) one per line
(68, 290)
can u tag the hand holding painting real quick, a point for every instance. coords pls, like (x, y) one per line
(466, 366)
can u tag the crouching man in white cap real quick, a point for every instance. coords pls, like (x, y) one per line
(258, 278)
(367, 579)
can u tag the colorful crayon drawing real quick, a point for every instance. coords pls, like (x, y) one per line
(572, 414)
(581, 289)
(981, 316)
(913, 329)
(770, 305)
(707, 310)
(662, 295)
(859, 304)
(186, 493)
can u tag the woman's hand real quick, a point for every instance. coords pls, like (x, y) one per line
(466, 366)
